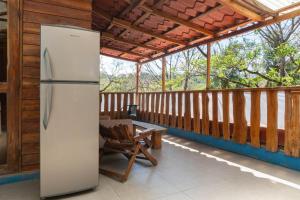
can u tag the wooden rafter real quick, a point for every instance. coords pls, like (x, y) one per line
(177, 20)
(126, 52)
(110, 36)
(116, 57)
(127, 25)
(207, 13)
(198, 17)
(241, 10)
(144, 16)
(132, 5)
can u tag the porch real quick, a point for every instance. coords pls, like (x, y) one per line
(220, 142)
(186, 171)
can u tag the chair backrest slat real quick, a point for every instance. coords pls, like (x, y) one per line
(119, 132)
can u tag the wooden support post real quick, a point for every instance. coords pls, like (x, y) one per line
(137, 83)
(163, 73)
(208, 66)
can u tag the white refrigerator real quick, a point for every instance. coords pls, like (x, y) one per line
(69, 110)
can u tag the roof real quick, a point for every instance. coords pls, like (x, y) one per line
(144, 30)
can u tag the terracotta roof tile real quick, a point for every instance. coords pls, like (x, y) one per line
(220, 18)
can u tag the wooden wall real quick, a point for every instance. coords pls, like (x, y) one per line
(35, 13)
(3, 74)
(3, 56)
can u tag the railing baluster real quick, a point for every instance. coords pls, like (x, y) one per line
(292, 124)
(226, 127)
(205, 114)
(187, 112)
(131, 99)
(173, 122)
(142, 107)
(240, 123)
(152, 107)
(125, 103)
(118, 105)
(196, 121)
(272, 121)
(255, 119)
(215, 124)
(167, 116)
(157, 100)
(106, 104)
(179, 107)
(147, 107)
(162, 108)
(112, 105)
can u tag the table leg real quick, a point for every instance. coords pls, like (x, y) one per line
(156, 140)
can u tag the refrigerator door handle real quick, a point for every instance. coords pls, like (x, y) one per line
(48, 105)
(48, 64)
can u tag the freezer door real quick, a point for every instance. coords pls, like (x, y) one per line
(69, 138)
(69, 54)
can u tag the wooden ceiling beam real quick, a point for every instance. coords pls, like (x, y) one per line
(132, 5)
(117, 57)
(110, 36)
(241, 10)
(127, 25)
(177, 20)
(126, 52)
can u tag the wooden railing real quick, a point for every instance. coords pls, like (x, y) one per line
(233, 114)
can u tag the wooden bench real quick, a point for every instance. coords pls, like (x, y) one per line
(157, 132)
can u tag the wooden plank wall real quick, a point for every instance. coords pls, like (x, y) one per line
(35, 13)
(3, 78)
(3, 56)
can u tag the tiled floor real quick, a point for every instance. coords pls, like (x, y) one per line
(186, 171)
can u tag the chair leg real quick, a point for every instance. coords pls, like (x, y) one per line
(122, 176)
(112, 174)
(131, 162)
(148, 156)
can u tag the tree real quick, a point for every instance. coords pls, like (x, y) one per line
(271, 59)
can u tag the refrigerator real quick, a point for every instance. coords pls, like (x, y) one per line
(69, 110)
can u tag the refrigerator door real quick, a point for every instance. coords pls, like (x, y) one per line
(69, 54)
(69, 155)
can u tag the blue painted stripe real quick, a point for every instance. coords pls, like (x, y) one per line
(19, 177)
(278, 158)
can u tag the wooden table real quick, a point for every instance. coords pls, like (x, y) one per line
(156, 134)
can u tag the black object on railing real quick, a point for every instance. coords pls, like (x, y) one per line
(132, 110)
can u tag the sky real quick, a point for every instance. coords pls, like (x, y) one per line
(108, 64)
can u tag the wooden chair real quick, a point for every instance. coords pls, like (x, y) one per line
(119, 139)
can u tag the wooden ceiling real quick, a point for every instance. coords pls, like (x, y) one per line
(144, 30)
